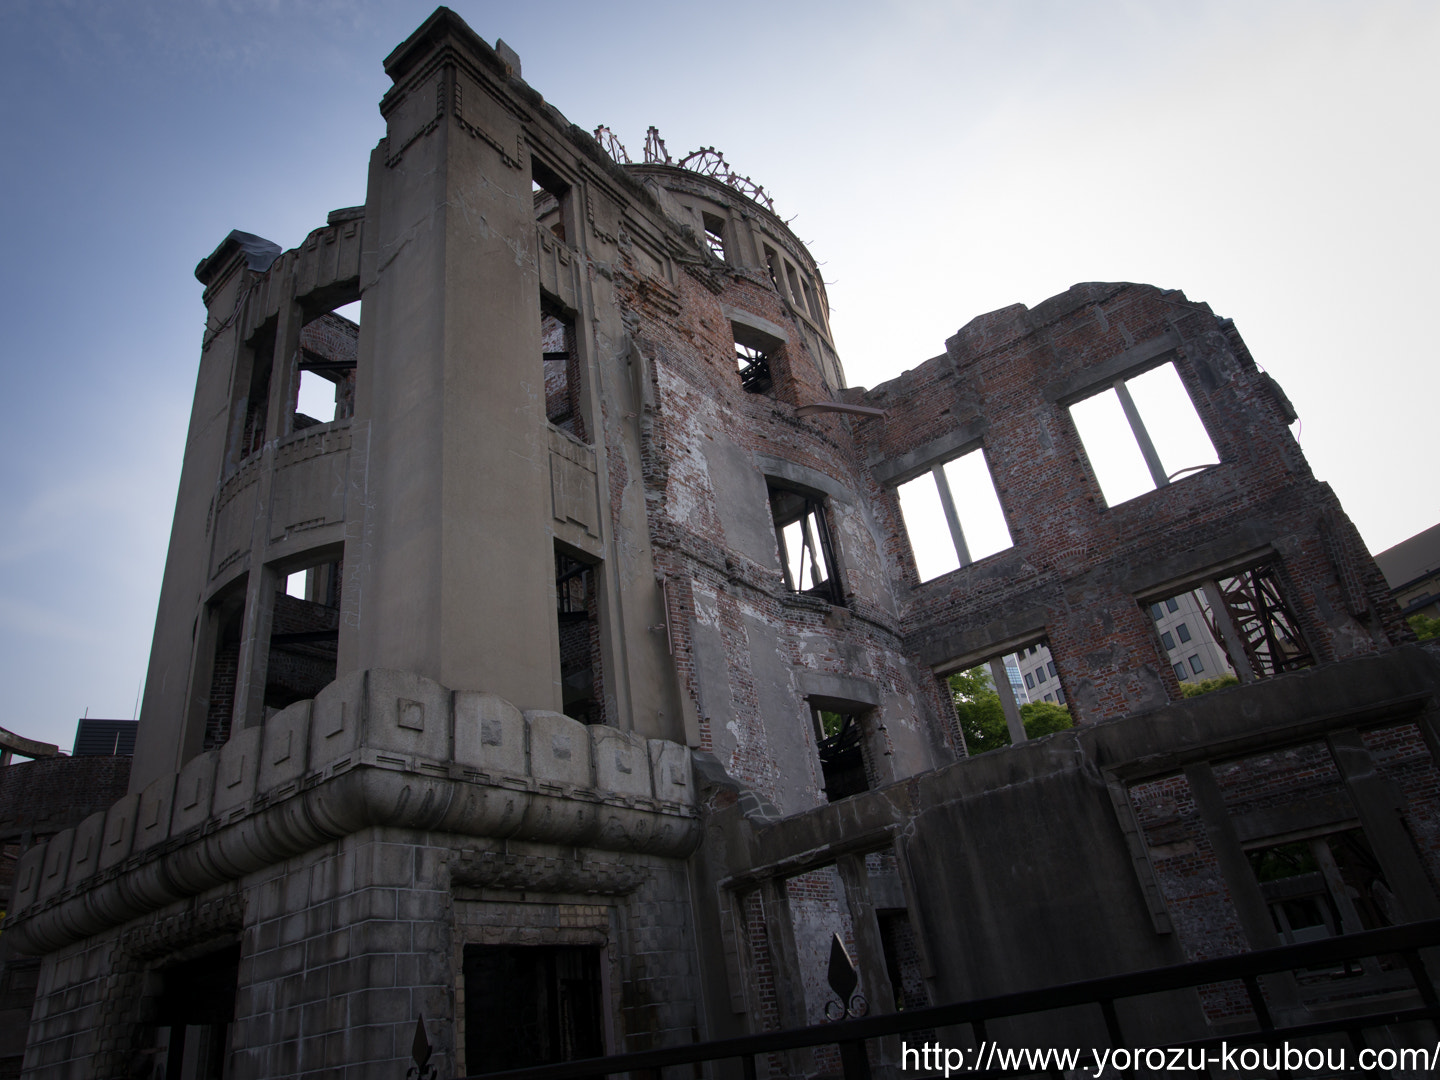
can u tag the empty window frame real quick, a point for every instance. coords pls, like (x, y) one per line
(994, 703)
(796, 296)
(304, 634)
(754, 367)
(714, 234)
(807, 553)
(771, 262)
(562, 373)
(953, 515)
(844, 765)
(324, 387)
(755, 353)
(1141, 433)
(551, 199)
(1242, 626)
(578, 618)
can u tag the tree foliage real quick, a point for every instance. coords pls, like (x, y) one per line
(982, 717)
(1424, 626)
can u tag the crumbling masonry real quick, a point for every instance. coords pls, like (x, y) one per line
(582, 655)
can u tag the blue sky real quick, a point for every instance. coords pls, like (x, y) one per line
(1276, 160)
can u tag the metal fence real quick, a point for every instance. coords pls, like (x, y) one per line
(1404, 943)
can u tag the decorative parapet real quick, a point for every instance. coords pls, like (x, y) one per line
(376, 748)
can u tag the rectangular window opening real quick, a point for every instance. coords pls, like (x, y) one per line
(755, 354)
(550, 196)
(561, 358)
(714, 234)
(754, 367)
(304, 635)
(998, 702)
(324, 387)
(1240, 627)
(771, 261)
(844, 758)
(807, 552)
(228, 613)
(578, 616)
(1142, 433)
(529, 1005)
(796, 296)
(953, 515)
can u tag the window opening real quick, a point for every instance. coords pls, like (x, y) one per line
(531, 1005)
(257, 402)
(795, 294)
(577, 613)
(843, 761)
(953, 515)
(304, 635)
(770, 264)
(993, 701)
(562, 374)
(549, 195)
(754, 369)
(324, 387)
(810, 298)
(229, 614)
(1142, 433)
(714, 235)
(1242, 630)
(807, 553)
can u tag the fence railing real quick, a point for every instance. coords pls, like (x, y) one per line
(850, 1036)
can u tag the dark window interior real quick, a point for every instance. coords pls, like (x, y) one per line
(578, 614)
(755, 377)
(195, 1009)
(842, 754)
(304, 638)
(531, 1005)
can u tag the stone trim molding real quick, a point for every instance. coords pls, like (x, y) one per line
(376, 748)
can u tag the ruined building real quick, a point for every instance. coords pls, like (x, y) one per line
(575, 681)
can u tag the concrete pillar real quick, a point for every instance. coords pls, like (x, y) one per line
(1378, 805)
(1245, 894)
(451, 571)
(869, 949)
(785, 967)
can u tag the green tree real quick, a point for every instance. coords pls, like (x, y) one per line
(1424, 626)
(982, 717)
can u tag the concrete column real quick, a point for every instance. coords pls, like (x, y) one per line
(869, 948)
(1014, 724)
(451, 572)
(1245, 892)
(1378, 805)
(252, 669)
(1142, 437)
(785, 968)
